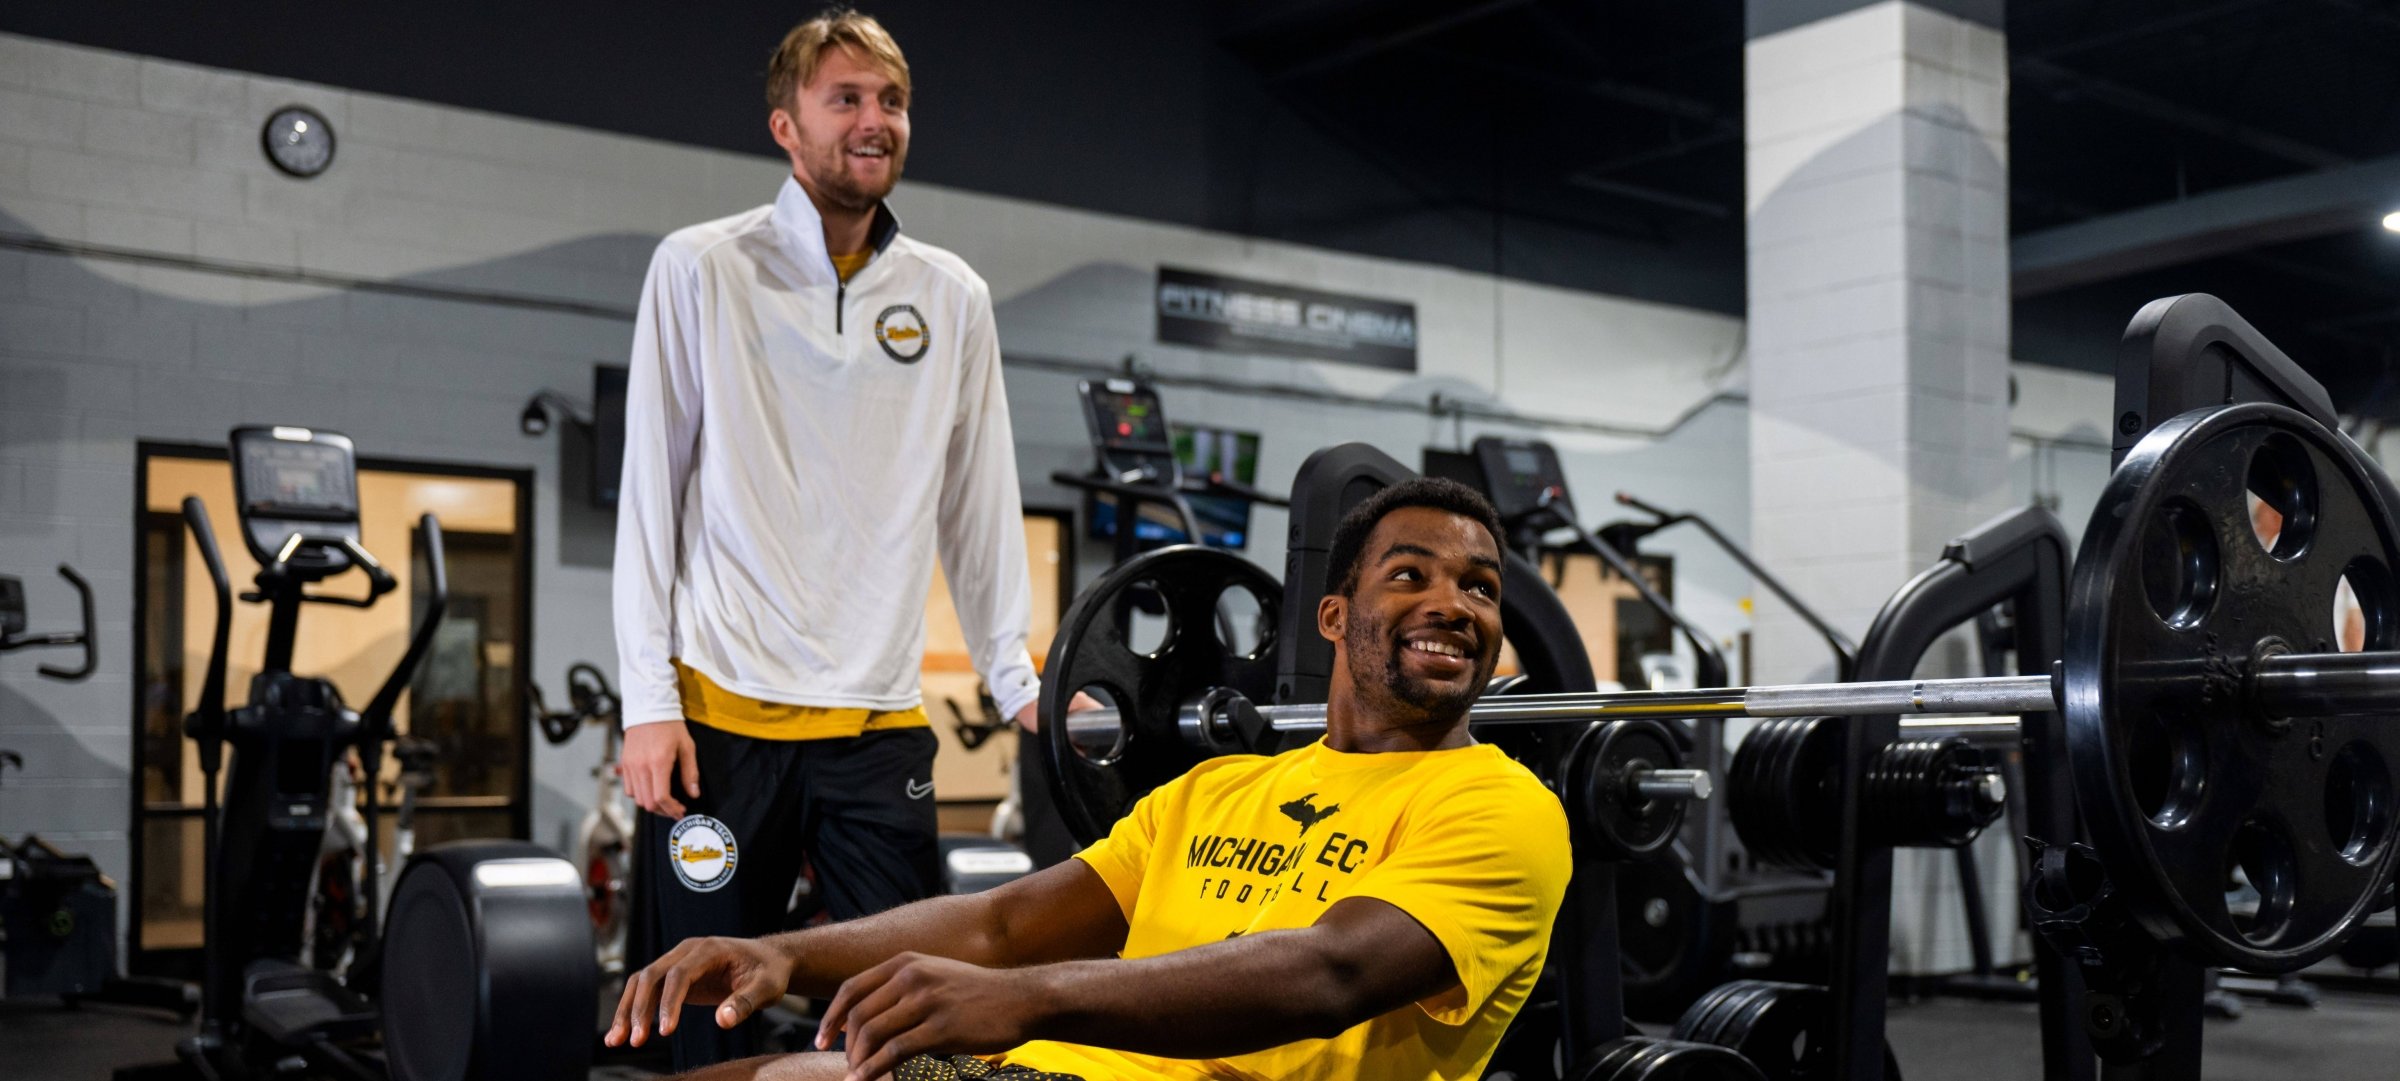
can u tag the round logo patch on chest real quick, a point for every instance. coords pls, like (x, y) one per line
(703, 853)
(902, 333)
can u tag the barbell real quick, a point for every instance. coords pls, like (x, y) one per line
(2233, 764)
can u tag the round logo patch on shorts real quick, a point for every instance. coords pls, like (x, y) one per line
(703, 852)
(902, 333)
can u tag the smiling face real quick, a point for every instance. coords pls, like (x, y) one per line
(846, 130)
(1417, 639)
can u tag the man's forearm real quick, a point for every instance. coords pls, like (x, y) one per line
(1229, 998)
(959, 927)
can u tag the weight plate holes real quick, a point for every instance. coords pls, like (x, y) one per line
(2261, 880)
(1145, 617)
(2179, 564)
(2282, 500)
(2167, 765)
(2358, 803)
(1099, 745)
(2362, 607)
(1245, 624)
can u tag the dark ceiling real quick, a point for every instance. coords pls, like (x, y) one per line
(1625, 118)
(1593, 144)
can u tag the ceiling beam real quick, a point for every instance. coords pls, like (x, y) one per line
(2142, 103)
(1391, 39)
(1658, 197)
(2217, 223)
(2144, 28)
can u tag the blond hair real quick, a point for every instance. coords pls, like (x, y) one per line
(795, 61)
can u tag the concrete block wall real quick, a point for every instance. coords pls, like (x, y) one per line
(149, 158)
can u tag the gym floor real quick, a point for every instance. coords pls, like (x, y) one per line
(2348, 1035)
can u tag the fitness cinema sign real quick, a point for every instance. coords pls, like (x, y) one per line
(1236, 316)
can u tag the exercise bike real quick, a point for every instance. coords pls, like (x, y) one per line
(336, 907)
(58, 912)
(486, 968)
(604, 839)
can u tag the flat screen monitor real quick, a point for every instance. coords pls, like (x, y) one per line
(1224, 521)
(608, 433)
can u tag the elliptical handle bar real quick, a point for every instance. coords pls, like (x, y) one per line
(83, 591)
(379, 580)
(1710, 669)
(81, 637)
(207, 722)
(1845, 652)
(206, 726)
(378, 714)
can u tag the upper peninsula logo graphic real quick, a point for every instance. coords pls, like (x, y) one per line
(702, 852)
(1301, 811)
(902, 333)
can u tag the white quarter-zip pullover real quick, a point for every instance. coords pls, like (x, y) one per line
(794, 446)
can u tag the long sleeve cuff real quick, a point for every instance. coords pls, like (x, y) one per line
(1014, 687)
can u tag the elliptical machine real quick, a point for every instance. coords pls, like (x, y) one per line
(487, 968)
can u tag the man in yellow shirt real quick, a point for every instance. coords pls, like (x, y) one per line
(1375, 905)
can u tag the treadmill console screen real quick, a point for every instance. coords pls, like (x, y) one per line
(1128, 417)
(1517, 471)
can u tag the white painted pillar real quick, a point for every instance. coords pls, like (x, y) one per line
(1879, 303)
(1879, 342)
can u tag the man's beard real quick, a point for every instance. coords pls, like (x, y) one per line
(1375, 666)
(829, 166)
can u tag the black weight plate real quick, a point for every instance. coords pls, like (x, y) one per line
(1640, 1058)
(1780, 806)
(1608, 1061)
(1696, 1017)
(1784, 1029)
(1706, 1018)
(1609, 813)
(1667, 961)
(1150, 691)
(1750, 801)
(2172, 594)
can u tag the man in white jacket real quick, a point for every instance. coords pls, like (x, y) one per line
(814, 408)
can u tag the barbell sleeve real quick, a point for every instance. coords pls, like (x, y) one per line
(1673, 784)
(2327, 684)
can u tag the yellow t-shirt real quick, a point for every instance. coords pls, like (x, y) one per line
(742, 715)
(1466, 841)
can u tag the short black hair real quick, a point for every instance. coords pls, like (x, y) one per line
(1350, 537)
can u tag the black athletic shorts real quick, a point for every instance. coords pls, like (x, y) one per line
(859, 811)
(955, 1067)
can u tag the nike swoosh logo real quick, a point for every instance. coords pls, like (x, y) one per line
(917, 791)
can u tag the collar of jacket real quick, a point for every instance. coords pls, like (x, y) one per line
(802, 231)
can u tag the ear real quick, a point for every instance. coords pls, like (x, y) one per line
(785, 128)
(1333, 617)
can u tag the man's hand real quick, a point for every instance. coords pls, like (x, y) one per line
(915, 1004)
(1030, 718)
(654, 754)
(739, 975)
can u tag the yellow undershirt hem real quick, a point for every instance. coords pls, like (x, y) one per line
(729, 711)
